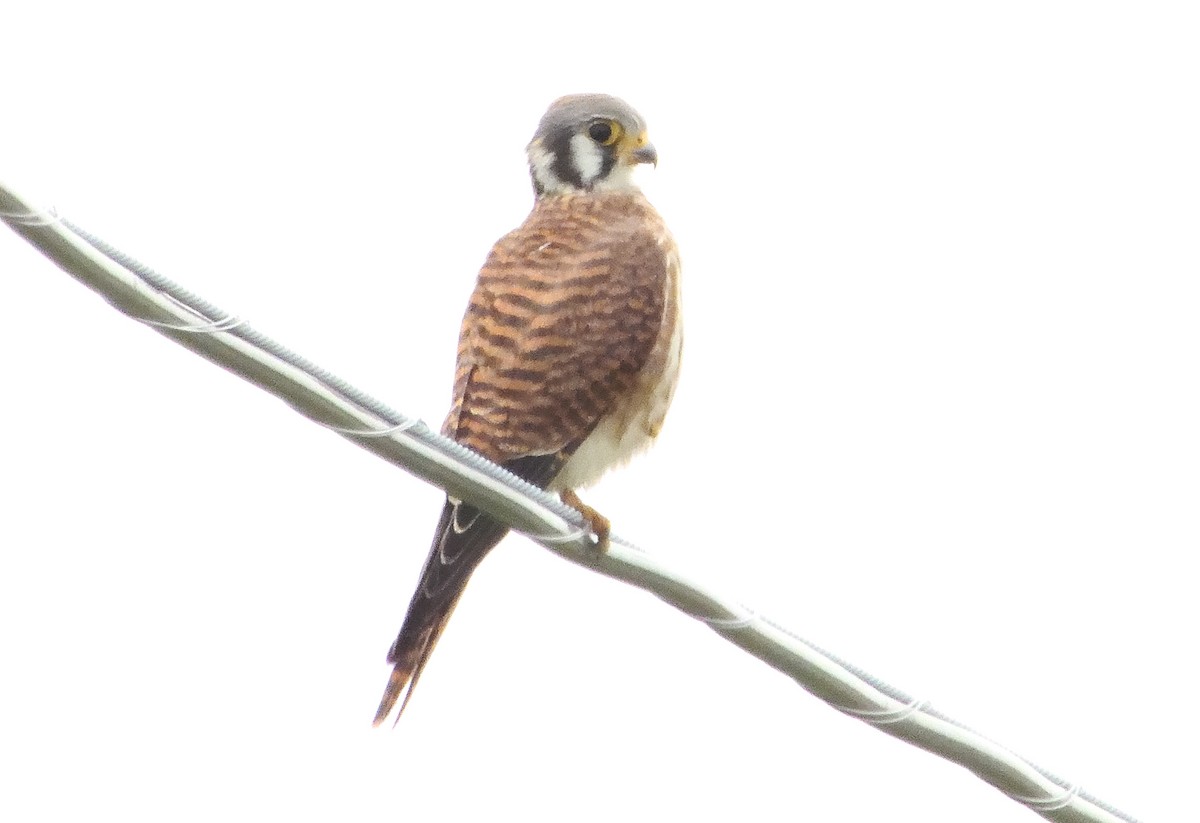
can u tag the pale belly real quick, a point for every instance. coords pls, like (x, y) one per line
(631, 427)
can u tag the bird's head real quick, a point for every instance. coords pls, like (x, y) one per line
(588, 142)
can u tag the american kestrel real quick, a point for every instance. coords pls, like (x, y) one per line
(568, 353)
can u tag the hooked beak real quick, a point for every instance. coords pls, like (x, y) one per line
(645, 154)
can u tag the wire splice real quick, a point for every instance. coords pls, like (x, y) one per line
(31, 218)
(559, 539)
(227, 323)
(885, 717)
(402, 426)
(747, 618)
(1049, 804)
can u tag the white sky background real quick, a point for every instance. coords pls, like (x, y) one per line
(938, 412)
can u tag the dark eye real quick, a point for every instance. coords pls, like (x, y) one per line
(604, 132)
(600, 132)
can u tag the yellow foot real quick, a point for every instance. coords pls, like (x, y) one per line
(599, 524)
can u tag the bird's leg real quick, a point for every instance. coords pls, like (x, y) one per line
(599, 524)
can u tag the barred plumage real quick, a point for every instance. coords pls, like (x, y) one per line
(569, 349)
(559, 329)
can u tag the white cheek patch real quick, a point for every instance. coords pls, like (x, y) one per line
(587, 158)
(540, 162)
(620, 178)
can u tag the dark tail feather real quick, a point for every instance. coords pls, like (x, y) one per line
(464, 536)
(402, 676)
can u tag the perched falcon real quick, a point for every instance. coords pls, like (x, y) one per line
(569, 350)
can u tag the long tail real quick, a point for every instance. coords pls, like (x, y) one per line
(463, 537)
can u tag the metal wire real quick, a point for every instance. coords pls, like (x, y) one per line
(196, 324)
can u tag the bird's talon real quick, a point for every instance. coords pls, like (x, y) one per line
(600, 525)
(600, 531)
